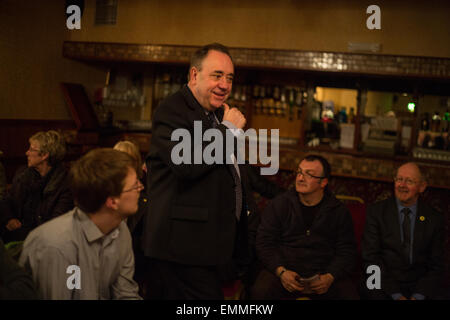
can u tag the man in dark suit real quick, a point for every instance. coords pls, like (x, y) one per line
(197, 223)
(404, 237)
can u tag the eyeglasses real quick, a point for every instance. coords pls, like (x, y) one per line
(31, 149)
(307, 174)
(137, 186)
(409, 182)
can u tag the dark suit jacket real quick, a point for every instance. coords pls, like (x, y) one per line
(15, 282)
(381, 245)
(192, 213)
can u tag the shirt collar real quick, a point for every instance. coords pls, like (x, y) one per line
(400, 207)
(90, 230)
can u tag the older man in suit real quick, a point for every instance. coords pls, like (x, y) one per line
(404, 237)
(197, 221)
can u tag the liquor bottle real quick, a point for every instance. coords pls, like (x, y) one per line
(291, 103)
(236, 97)
(298, 103)
(284, 104)
(165, 85)
(270, 102)
(316, 110)
(243, 98)
(277, 101)
(262, 97)
(256, 100)
(342, 115)
(351, 115)
(425, 123)
(436, 122)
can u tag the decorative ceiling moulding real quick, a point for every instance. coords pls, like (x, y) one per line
(369, 64)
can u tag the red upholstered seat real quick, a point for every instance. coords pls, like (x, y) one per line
(357, 209)
(232, 290)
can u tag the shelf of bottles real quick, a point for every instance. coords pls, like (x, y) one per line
(126, 91)
(167, 82)
(433, 140)
(123, 95)
(278, 107)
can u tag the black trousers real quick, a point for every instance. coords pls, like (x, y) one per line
(173, 281)
(268, 287)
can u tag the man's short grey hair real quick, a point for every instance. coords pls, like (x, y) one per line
(200, 54)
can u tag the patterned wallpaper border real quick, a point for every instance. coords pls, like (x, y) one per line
(374, 64)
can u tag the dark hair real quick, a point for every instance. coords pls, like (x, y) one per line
(200, 54)
(325, 165)
(97, 175)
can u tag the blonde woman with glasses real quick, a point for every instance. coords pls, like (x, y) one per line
(38, 193)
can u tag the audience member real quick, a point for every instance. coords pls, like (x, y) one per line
(306, 241)
(87, 252)
(404, 237)
(38, 193)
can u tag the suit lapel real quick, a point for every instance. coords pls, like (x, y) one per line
(393, 221)
(201, 115)
(419, 227)
(193, 104)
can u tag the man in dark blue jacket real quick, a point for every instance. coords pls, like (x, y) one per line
(306, 241)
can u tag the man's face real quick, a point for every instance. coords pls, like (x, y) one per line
(34, 154)
(408, 184)
(129, 198)
(307, 182)
(211, 85)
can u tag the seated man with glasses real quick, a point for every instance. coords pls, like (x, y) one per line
(306, 241)
(404, 237)
(87, 252)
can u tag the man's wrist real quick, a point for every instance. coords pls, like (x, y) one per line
(330, 277)
(280, 271)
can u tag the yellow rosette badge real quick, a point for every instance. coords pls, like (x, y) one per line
(422, 218)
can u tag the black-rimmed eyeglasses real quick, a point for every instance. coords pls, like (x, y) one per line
(307, 174)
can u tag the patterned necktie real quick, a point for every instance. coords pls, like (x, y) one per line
(237, 181)
(406, 231)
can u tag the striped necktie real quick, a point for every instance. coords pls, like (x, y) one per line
(407, 231)
(237, 180)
